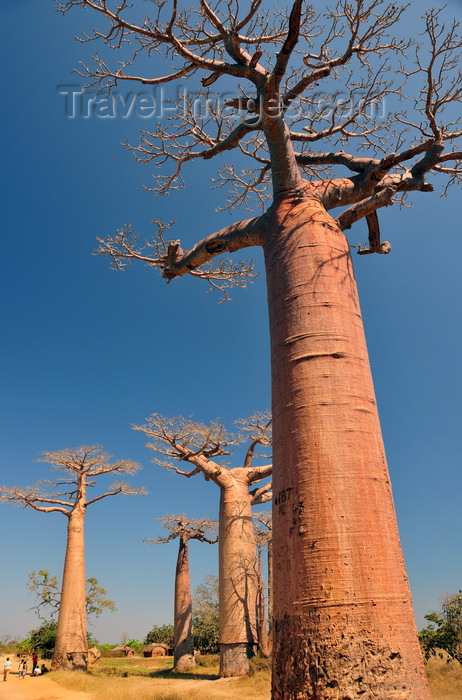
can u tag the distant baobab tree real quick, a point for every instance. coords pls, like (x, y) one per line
(317, 115)
(184, 529)
(68, 495)
(183, 440)
(263, 537)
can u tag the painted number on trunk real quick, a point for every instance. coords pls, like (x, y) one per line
(282, 498)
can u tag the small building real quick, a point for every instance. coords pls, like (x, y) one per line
(157, 649)
(122, 650)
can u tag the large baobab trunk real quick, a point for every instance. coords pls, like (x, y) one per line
(237, 580)
(71, 648)
(183, 637)
(342, 610)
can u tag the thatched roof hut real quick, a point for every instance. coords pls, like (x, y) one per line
(122, 650)
(157, 649)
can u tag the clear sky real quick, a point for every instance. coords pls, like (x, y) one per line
(86, 351)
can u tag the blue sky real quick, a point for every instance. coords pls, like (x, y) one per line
(86, 352)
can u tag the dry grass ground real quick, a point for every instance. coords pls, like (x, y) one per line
(152, 679)
(445, 679)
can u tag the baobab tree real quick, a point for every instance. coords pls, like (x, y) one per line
(68, 495)
(199, 445)
(263, 524)
(184, 529)
(306, 118)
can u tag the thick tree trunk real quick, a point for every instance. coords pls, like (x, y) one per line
(183, 636)
(237, 580)
(71, 646)
(342, 610)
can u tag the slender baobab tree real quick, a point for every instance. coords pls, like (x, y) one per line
(263, 537)
(69, 495)
(200, 446)
(312, 128)
(180, 527)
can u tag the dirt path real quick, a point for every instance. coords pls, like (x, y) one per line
(44, 688)
(219, 687)
(40, 688)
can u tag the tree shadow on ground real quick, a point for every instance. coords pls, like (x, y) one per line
(174, 675)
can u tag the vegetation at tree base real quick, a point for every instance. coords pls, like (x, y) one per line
(161, 634)
(444, 633)
(43, 639)
(48, 594)
(205, 616)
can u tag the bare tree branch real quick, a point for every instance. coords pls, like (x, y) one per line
(82, 462)
(179, 525)
(182, 439)
(284, 56)
(262, 495)
(123, 248)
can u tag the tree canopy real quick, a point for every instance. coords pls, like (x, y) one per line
(444, 633)
(301, 95)
(48, 594)
(179, 525)
(160, 634)
(205, 616)
(82, 465)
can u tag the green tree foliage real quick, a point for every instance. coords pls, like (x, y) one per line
(160, 634)
(95, 599)
(136, 645)
(43, 638)
(205, 620)
(46, 590)
(205, 616)
(25, 645)
(8, 645)
(48, 594)
(444, 633)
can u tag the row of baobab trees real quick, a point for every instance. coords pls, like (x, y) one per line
(300, 140)
(242, 621)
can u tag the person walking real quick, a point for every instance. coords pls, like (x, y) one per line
(22, 669)
(6, 668)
